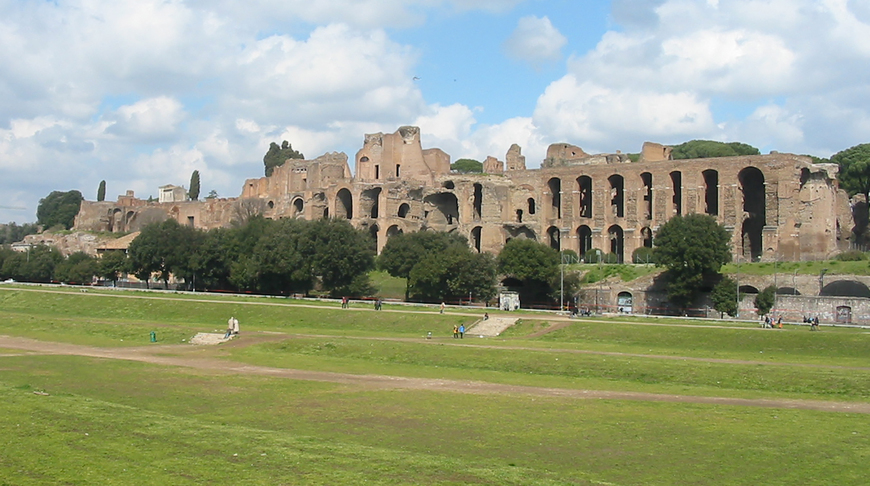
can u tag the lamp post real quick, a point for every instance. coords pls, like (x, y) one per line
(737, 309)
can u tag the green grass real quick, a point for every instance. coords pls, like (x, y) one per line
(833, 267)
(121, 422)
(626, 272)
(389, 287)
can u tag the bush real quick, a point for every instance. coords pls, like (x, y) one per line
(851, 256)
(643, 255)
(592, 255)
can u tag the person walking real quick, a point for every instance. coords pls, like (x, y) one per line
(442, 308)
(461, 331)
(455, 332)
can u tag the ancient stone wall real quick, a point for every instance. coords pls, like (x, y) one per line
(777, 206)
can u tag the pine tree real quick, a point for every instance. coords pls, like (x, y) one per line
(101, 191)
(193, 193)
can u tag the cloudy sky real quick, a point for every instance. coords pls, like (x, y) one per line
(141, 93)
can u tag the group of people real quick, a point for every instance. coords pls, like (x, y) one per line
(458, 331)
(813, 322)
(378, 304)
(232, 327)
(770, 322)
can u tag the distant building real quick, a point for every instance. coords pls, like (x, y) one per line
(170, 193)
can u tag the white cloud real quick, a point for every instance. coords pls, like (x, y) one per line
(535, 41)
(152, 119)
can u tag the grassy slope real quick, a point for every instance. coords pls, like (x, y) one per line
(167, 425)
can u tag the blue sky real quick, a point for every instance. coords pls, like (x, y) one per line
(143, 93)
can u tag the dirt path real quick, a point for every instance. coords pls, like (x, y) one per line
(189, 357)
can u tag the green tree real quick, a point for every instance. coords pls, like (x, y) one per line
(279, 264)
(11, 232)
(276, 156)
(703, 149)
(35, 265)
(164, 248)
(403, 251)
(453, 274)
(78, 268)
(765, 299)
(193, 192)
(212, 194)
(724, 297)
(101, 191)
(690, 247)
(339, 254)
(854, 173)
(467, 166)
(59, 209)
(534, 264)
(112, 265)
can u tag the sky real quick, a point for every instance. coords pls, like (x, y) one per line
(142, 93)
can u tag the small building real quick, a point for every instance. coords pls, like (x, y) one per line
(170, 193)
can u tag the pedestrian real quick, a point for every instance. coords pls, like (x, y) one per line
(442, 308)
(486, 316)
(344, 302)
(461, 331)
(229, 328)
(235, 327)
(455, 331)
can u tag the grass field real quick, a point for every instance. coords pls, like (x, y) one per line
(698, 402)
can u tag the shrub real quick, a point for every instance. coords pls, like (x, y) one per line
(851, 256)
(643, 255)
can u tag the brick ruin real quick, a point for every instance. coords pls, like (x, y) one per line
(777, 206)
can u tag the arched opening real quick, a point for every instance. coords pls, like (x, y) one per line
(325, 213)
(531, 204)
(555, 185)
(117, 223)
(448, 185)
(617, 195)
(711, 192)
(747, 289)
(584, 238)
(393, 231)
(617, 242)
(271, 204)
(646, 179)
(676, 193)
(446, 210)
(553, 237)
(584, 189)
(477, 202)
(844, 314)
(298, 206)
(476, 233)
(370, 201)
(754, 217)
(846, 288)
(373, 234)
(624, 302)
(404, 209)
(787, 291)
(344, 204)
(647, 235)
(519, 215)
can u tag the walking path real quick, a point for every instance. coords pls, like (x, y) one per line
(185, 357)
(491, 327)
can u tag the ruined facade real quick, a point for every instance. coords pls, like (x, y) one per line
(777, 206)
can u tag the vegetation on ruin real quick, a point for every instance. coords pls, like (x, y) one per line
(193, 192)
(12, 232)
(467, 166)
(854, 172)
(278, 155)
(691, 248)
(59, 209)
(704, 149)
(70, 419)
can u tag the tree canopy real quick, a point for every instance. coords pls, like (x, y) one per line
(276, 156)
(534, 264)
(765, 299)
(854, 165)
(703, 149)
(724, 296)
(193, 192)
(467, 166)
(690, 247)
(405, 250)
(59, 209)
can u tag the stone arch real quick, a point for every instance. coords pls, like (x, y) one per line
(448, 185)
(754, 212)
(646, 179)
(531, 205)
(370, 202)
(787, 291)
(711, 192)
(617, 195)
(747, 289)
(646, 235)
(271, 204)
(584, 190)
(555, 186)
(446, 210)
(393, 231)
(846, 288)
(373, 234)
(117, 223)
(554, 238)
(477, 201)
(676, 193)
(344, 204)
(476, 235)
(624, 302)
(404, 209)
(584, 240)
(298, 205)
(617, 242)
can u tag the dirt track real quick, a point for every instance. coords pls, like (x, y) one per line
(190, 357)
